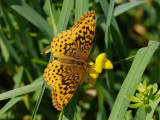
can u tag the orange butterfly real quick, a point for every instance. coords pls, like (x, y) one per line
(71, 49)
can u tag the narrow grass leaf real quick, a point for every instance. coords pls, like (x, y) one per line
(29, 76)
(12, 30)
(109, 73)
(153, 106)
(25, 10)
(134, 76)
(39, 61)
(39, 100)
(108, 21)
(79, 10)
(10, 104)
(126, 6)
(4, 50)
(65, 14)
(100, 95)
(118, 43)
(10, 48)
(52, 18)
(19, 77)
(140, 114)
(21, 91)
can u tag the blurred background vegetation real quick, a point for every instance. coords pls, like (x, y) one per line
(27, 28)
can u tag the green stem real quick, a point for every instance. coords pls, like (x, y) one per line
(123, 60)
(39, 100)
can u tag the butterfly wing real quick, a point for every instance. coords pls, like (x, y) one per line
(77, 43)
(63, 45)
(83, 32)
(64, 79)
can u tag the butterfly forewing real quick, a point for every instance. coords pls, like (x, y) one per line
(77, 43)
(83, 32)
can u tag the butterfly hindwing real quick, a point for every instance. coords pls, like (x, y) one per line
(64, 79)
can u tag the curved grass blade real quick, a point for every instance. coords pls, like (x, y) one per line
(10, 104)
(126, 6)
(65, 14)
(109, 16)
(23, 90)
(153, 105)
(32, 16)
(39, 100)
(134, 76)
(10, 48)
(80, 8)
(52, 18)
(14, 100)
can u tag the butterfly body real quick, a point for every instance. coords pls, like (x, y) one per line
(73, 61)
(71, 48)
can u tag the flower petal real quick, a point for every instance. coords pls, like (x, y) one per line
(99, 62)
(92, 71)
(107, 64)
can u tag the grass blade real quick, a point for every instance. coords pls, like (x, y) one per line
(39, 100)
(22, 90)
(19, 77)
(25, 10)
(9, 105)
(10, 48)
(153, 105)
(65, 14)
(126, 6)
(52, 18)
(81, 8)
(134, 76)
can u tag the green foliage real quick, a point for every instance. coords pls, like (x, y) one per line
(145, 95)
(124, 30)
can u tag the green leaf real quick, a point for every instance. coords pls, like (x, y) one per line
(65, 14)
(128, 115)
(126, 6)
(9, 105)
(136, 105)
(153, 106)
(22, 90)
(134, 76)
(155, 88)
(140, 114)
(137, 87)
(81, 8)
(25, 10)
(133, 98)
(12, 51)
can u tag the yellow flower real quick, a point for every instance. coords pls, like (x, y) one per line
(101, 62)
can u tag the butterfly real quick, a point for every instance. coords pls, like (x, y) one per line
(71, 49)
